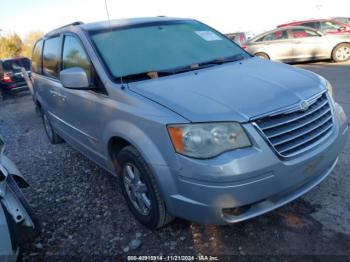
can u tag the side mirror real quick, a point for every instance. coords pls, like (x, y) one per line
(74, 78)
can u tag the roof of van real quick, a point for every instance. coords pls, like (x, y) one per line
(115, 23)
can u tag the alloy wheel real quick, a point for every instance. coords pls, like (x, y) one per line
(136, 189)
(343, 53)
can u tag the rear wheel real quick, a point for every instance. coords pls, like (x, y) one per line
(262, 55)
(341, 53)
(4, 94)
(140, 189)
(50, 132)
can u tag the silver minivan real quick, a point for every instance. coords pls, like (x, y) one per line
(193, 126)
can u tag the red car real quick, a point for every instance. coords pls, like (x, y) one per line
(327, 26)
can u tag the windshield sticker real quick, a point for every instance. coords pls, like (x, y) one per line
(208, 35)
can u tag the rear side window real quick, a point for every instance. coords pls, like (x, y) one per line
(51, 57)
(36, 57)
(314, 25)
(329, 25)
(278, 35)
(300, 33)
(74, 55)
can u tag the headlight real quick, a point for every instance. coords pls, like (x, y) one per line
(207, 140)
(330, 90)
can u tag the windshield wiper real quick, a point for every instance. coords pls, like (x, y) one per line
(145, 76)
(219, 61)
(181, 69)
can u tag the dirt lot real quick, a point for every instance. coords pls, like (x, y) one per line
(84, 215)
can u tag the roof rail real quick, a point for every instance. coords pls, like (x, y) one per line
(71, 24)
(54, 31)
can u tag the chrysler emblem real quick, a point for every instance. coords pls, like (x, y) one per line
(304, 105)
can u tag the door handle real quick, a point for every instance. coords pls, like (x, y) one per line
(62, 97)
(58, 94)
(54, 92)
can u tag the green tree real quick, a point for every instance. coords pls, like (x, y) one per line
(10, 46)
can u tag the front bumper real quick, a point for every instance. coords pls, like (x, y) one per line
(253, 179)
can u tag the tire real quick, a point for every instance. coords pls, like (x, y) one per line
(4, 94)
(263, 56)
(152, 216)
(341, 53)
(53, 137)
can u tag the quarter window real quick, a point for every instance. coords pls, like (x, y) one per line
(74, 55)
(36, 57)
(51, 57)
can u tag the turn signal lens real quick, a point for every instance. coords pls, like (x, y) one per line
(176, 137)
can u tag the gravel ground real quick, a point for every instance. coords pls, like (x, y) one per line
(84, 215)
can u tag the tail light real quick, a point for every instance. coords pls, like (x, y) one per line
(6, 78)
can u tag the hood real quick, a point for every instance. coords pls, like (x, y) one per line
(233, 91)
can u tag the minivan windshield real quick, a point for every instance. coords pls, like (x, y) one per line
(162, 46)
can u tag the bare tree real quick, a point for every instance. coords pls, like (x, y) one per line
(29, 42)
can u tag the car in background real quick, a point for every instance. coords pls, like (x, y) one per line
(293, 44)
(11, 77)
(18, 223)
(240, 37)
(344, 20)
(326, 26)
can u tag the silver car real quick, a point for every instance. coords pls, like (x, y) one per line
(293, 44)
(194, 126)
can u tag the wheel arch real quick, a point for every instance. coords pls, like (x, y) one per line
(115, 145)
(121, 133)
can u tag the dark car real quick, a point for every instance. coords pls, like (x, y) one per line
(326, 26)
(240, 37)
(11, 77)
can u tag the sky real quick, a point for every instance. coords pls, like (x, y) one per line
(23, 16)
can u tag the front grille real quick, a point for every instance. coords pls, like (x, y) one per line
(293, 133)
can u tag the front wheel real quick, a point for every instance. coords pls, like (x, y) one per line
(341, 53)
(50, 132)
(140, 189)
(262, 55)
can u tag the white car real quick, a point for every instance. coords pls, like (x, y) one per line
(298, 43)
